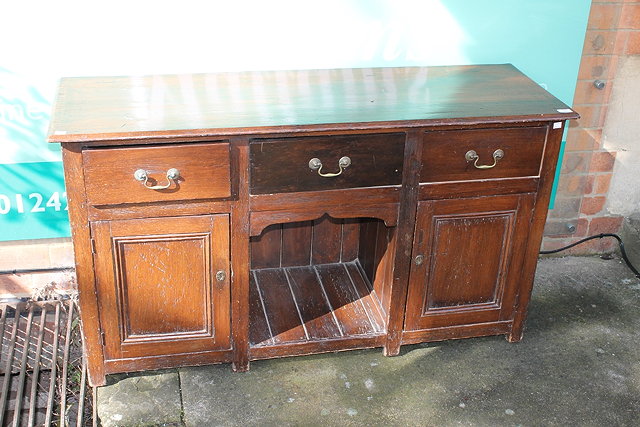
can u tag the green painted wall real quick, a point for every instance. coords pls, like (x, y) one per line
(543, 38)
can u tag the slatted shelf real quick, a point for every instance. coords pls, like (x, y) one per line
(312, 304)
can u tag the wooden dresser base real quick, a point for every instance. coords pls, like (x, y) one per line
(246, 216)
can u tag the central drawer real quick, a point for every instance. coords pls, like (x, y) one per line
(287, 165)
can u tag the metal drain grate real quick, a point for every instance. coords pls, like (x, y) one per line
(44, 379)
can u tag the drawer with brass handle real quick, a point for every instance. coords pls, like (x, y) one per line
(477, 154)
(319, 163)
(116, 176)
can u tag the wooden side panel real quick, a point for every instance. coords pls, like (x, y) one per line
(536, 229)
(473, 251)
(157, 284)
(81, 235)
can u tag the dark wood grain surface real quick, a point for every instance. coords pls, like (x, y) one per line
(443, 153)
(108, 108)
(282, 165)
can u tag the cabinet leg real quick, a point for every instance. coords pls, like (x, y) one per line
(240, 367)
(391, 349)
(517, 330)
(96, 379)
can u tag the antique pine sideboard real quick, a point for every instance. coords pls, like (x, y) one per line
(238, 216)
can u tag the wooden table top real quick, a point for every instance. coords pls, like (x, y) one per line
(188, 105)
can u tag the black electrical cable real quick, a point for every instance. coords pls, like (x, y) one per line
(600, 236)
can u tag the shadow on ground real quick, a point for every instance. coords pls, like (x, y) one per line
(577, 365)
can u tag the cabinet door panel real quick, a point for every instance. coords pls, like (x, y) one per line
(473, 251)
(157, 285)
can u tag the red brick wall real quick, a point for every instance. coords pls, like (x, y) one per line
(613, 31)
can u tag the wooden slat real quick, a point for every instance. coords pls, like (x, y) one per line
(345, 300)
(367, 298)
(282, 313)
(296, 243)
(332, 299)
(259, 332)
(327, 240)
(383, 259)
(350, 240)
(368, 236)
(314, 308)
(266, 248)
(536, 228)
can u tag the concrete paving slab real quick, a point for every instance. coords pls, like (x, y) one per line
(143, 399)
(577, 365)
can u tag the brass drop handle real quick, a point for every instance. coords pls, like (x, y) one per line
(142, 176)
(472, 155)
(419, 259)
(316, 164)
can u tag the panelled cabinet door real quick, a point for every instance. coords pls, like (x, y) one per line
(467, 258)
(163, 285)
